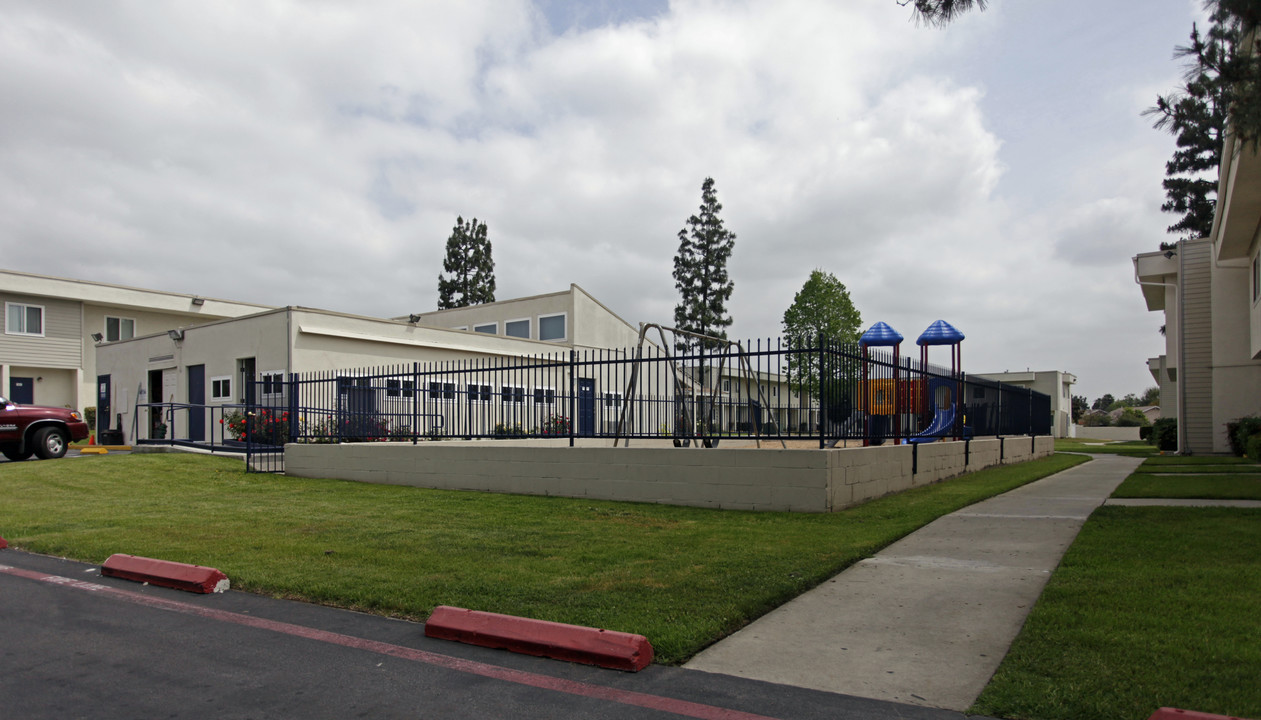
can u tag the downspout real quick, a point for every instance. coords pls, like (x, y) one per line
(1181, 345)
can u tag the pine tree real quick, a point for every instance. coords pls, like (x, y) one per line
(700, 271)
(470, 265)
(1196, 115)
(941, 12)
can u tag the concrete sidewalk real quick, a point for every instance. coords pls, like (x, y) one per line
(927, 620)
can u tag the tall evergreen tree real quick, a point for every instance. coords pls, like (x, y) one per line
(1196, 115)
(471, 268)
(700, 271)
(941, 12)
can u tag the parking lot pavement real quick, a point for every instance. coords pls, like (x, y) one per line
(74, 644)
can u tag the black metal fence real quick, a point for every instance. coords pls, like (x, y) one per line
(767, 390)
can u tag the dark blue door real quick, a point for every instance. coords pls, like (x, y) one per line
(22, 390)
(103, 417)
(197, 399)
(586, 407)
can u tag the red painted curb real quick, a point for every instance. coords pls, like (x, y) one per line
(3, 543)
(1168, 713)
(193, 578)
(591, 646)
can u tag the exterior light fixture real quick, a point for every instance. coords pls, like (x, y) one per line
(199, 301)
(413, 318)
(97, 337)
(175, 335)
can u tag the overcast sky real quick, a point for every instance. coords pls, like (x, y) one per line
(996, 173)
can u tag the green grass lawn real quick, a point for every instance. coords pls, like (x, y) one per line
(1199, 463)
(1150, 607)
(684, 577)
(1198, 485)
(1136, 448)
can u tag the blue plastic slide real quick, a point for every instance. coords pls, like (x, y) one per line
(943, 424)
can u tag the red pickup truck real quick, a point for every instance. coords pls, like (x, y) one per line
(45, 432)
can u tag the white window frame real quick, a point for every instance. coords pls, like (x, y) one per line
(528, 329)
(226, 387)
(462, 327)
(726, 385)
(43, 319)
(564, 336)
(120, 320)
(494, 328)
(274, 378)
(615, 406)
(548, 396)
(400, 388)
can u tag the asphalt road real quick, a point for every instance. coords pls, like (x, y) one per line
(74, 644)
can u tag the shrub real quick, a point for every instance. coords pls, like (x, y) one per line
(1164, 434)
(1253, 446)
(1132, 418)
(1145, 433)
(1096, 419)
(89, 416)
(1239, 430)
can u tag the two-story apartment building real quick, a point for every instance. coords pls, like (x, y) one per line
(1210, 293)
(53, 326)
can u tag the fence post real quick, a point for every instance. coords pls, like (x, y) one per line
(415, 397)
(573, 394)
(293, 407)
(819, 389)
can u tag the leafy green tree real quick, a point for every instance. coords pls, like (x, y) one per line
(1081, 406)
(1131, 417)
(700, 271)
(1103, 403)
(1151, 396)
(470, 265)
(821, 311)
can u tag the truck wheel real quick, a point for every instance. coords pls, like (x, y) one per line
(11, 452)
(50, 443)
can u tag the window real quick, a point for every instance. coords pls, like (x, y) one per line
(488, 328)
(512, 394)
(544, 396)
(117, 328)
(479, 393)
(400, 388)
(517, 328)
(221, 388)
(774, 391)
(273, 383)
(441, 391)
(1256, 278)
(552, 327)
(24, 319)
(612, 400)
(726, 385)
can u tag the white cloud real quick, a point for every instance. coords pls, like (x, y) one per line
(318, 153)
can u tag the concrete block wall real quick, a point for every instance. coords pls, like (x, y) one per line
(741, 479)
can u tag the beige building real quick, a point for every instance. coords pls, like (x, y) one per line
(53, 326)
(1054, 383)
(1208, 290)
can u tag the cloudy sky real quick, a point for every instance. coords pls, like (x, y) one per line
(996, 173)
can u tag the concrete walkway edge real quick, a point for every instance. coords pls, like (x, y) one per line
(927, 620)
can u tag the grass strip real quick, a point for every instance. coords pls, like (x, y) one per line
(1084, 445)
(1150, 607)
(1198, 461)
(1200, 486)
(684, 577)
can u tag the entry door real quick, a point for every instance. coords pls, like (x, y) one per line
(197, 399)
(245, 369)
(104, 416)
(22, 390)
(586, 407)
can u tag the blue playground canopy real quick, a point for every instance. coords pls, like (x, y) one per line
(939, 333)
(880, 335)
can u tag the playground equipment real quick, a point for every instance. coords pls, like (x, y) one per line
(889, 402)
(697, 408)
(945, 393)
